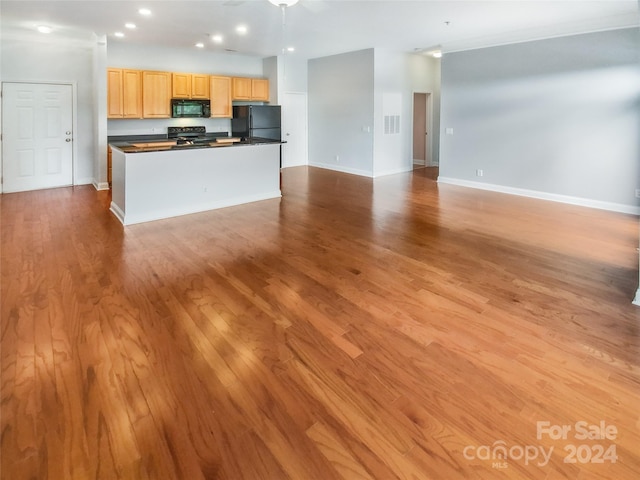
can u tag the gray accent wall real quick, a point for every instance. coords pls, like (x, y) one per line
(354, 96)
(341, 104)
(559, 117)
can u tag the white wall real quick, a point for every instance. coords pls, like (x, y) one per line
(49, 59)
(556, 118)
(341, 106)
(424, 77)
(100, 116)
(349, 97)
(397, 76)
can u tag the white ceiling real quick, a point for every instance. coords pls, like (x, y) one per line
(320, 27)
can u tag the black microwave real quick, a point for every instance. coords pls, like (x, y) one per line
(181, 108)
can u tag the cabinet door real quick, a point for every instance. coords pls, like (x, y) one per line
(241, 88)
(114, 93)
(156, 91)
(181, 85)
(200, 86)
(260, 89)
(220, 97)
(132, 94)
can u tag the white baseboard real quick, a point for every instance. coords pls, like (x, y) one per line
(83, 181)
(101, 185)
(384, 173)
(636, 301)
(338, 168)
(117, 211)
(417, 161)
(583, 202)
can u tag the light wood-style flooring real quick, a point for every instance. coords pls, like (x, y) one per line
(354, 329)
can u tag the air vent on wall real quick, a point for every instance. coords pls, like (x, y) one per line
(391, 124)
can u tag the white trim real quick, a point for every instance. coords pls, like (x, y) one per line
(395, 171)
(636, 301)
(117, 211)
(583, 202)
(338, 168)
(100, 186)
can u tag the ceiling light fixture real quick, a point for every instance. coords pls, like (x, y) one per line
(144, 11)
(216, 38)
(241, 29)
(283, 3)
(44, 29)
(119, 34)
(200, 45)
(291, 49)
(130, 26)
(436, 54)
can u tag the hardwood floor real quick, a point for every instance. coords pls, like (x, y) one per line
(355, 329)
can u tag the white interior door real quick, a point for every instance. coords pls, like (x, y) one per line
(37, 136)
(294, 130)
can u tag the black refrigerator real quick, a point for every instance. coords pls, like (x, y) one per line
(256, 121)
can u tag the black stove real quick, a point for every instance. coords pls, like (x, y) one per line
(188, 135)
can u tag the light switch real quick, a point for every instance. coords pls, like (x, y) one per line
(449, 131)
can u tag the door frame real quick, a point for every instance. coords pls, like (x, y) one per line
(429, 126)
(74, 122)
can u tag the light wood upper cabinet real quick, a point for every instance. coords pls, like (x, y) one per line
(241, 88)
(156, 98)
(250, 89)
(221, 97)
(180, 85)
(260, 89)
(124, 93)
(200, 86)
(190, 85)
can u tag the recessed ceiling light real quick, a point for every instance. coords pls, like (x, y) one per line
(436, 54)
(216, 38)
(130, 26)
(200, 45)
(241, 29)
(119, 34)
(144, 11)
(291, 49)
(44, 29)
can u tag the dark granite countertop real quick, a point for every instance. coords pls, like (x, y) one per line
(159, 143)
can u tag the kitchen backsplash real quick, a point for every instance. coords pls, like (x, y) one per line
(159, 127)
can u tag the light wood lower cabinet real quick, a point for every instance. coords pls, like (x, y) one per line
(109, 163)
(220, 97)
(156, 94)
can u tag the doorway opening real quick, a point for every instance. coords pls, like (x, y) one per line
(421, 129)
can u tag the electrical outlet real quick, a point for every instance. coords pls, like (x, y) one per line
(637, 192)
(479, 173)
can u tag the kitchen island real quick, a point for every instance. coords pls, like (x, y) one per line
(155, 181)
